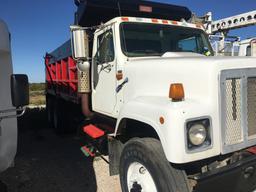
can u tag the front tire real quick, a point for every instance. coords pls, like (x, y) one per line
(144, 167)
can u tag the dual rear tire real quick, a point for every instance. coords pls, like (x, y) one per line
(58, 115)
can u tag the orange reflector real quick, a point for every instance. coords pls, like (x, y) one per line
(161, 120)
(125, 19)
(155, 20)
(165, 22)
(174, 22)
(146, 9)
(176, 92)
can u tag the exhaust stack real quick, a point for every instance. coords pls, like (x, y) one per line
(80, 52)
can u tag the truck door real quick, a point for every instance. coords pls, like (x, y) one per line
(104, 72)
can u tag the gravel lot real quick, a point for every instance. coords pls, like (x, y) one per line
(49, 163)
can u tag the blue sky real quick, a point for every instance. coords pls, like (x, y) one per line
(38, 26)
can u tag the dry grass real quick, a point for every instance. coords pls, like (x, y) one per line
(37, 95)
(38, 99)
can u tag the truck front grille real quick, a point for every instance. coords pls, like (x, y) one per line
(233, 112)
(238, 109)
(251, 106)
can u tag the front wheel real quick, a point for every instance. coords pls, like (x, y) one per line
(144, 167)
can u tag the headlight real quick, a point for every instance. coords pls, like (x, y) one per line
(197, 134)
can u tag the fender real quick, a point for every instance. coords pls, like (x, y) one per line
(149, 110)
(145, 111)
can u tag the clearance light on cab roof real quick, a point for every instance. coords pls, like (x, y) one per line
(174, 22)
(176, 92)
(154, 20)
(165, 22)
(146, 9)
(162, 21)
(125, 19)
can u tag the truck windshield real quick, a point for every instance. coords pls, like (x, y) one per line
(140, 40)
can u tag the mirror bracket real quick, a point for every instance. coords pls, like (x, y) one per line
(5, 114)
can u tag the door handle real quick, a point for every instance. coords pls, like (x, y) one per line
(106, 67)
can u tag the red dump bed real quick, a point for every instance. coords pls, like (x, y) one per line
(61, 73)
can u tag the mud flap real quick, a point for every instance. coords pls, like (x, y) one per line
(115, 148)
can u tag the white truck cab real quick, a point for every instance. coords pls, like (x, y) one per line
(128, 42)
(13, 94)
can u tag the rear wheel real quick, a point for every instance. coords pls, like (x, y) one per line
(50, 110)
(58, 119)
(63, 116)
(144, 167)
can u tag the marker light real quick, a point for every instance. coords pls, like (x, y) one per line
(125, 19)
(146, 9)
(176, 92)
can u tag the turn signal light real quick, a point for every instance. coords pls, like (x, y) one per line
(176, 92)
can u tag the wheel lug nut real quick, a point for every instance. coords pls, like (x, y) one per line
(142, 170)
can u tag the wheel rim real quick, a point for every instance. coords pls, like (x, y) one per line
(139, 179)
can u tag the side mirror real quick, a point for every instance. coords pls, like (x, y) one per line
(79, 42)
(19, 90)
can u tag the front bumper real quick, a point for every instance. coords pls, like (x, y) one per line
(237, 177)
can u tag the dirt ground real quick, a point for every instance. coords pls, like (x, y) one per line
(49, 163)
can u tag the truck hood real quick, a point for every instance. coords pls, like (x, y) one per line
(199, 75)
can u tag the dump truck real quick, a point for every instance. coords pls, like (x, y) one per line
(141, 83)
(13, 97)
